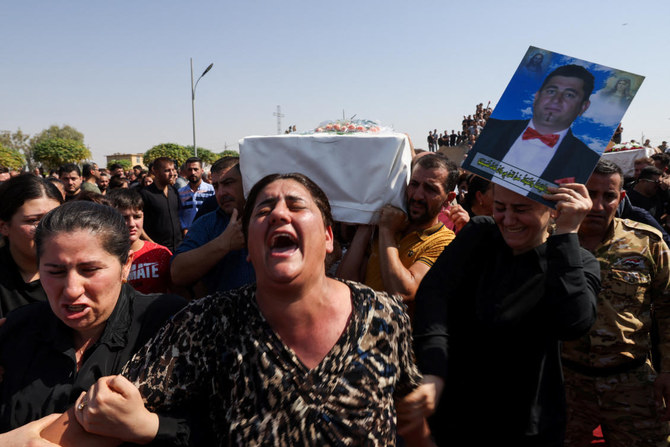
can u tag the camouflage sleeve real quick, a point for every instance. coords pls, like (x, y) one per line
(660, 296)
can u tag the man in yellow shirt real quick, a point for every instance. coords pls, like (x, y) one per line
(405, 245)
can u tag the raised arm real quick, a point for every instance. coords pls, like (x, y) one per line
(189, 266)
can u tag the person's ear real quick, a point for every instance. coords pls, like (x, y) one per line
(330, 244)
(585, 106)
(125, 269)
(4, 228)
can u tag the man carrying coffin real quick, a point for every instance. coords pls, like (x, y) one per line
(406, 245)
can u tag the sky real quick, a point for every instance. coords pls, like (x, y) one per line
(119, 71)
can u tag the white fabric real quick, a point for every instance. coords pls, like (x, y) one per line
(626, 159)
(359, 173)
(532, 155)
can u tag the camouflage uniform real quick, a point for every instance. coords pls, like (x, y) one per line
(608, 372)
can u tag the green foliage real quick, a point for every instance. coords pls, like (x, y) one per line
(172, 150)
(18, 142)
(55, 152)
(11, 158)
(66, 133)
(229, 153)
(126, 164)
(207, 156)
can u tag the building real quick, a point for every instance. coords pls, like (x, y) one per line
(134, 159)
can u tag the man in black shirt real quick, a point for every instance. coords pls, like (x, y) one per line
(161, 205)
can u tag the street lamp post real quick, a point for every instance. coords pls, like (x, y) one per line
(195, 148)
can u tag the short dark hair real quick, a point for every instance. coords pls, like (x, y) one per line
(319, 197)
(126, 199)
(18, 190)
(475, 184)
(437, 160)
(573, 71)
(224, 163)
(67, 168)
(663, 158)
(193, 160)
(101, 220)
(607, 167)
(115, 166)
(162, 161)
(93, 196)
(117, 181)
(649, 172)
(87, 168)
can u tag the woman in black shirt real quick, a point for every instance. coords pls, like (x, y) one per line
(24, 199)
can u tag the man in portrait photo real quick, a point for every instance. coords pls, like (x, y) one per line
(543, 146)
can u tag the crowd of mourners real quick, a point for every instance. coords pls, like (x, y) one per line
(471, 127)
(162, 306)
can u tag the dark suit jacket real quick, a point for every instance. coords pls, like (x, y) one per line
(573, 158)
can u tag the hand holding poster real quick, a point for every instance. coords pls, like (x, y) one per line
(552, 123)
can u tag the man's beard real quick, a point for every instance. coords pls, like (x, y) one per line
(422, 218)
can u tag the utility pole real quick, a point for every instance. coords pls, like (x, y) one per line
(195, 148)
(279, 116)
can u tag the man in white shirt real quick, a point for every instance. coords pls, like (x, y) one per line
(544, 146)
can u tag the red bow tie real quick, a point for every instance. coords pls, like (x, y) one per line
(550, 140)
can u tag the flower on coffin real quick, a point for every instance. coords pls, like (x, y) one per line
(342, 127)
(628, 146)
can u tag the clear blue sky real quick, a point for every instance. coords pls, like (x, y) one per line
(118, 71)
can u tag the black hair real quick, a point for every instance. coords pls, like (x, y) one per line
(573, 71)
(223, 163)
(67, 168)
(101, 220)
(437, 160)
(86, 169)
(649, 172)
(126, 199)
(607, 167)
(475, 184)
(93, 196)
(161, 162)
(319, 197)
(117, 181)
(193, 160)
(18, 190)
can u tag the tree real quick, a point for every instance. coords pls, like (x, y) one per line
(65, 132)
(18, 142)
(207, 156)
(171, 150)
(55, 152)
(11, 158)
(126, 164)
(229, 153)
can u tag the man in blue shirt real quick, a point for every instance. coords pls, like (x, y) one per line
(213, 256)
(193, 194)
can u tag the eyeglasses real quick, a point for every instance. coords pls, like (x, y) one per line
(658, 182)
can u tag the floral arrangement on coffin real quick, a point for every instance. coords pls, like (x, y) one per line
(342, 127)
(628, 146)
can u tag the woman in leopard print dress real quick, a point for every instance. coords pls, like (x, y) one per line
(296, 359)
